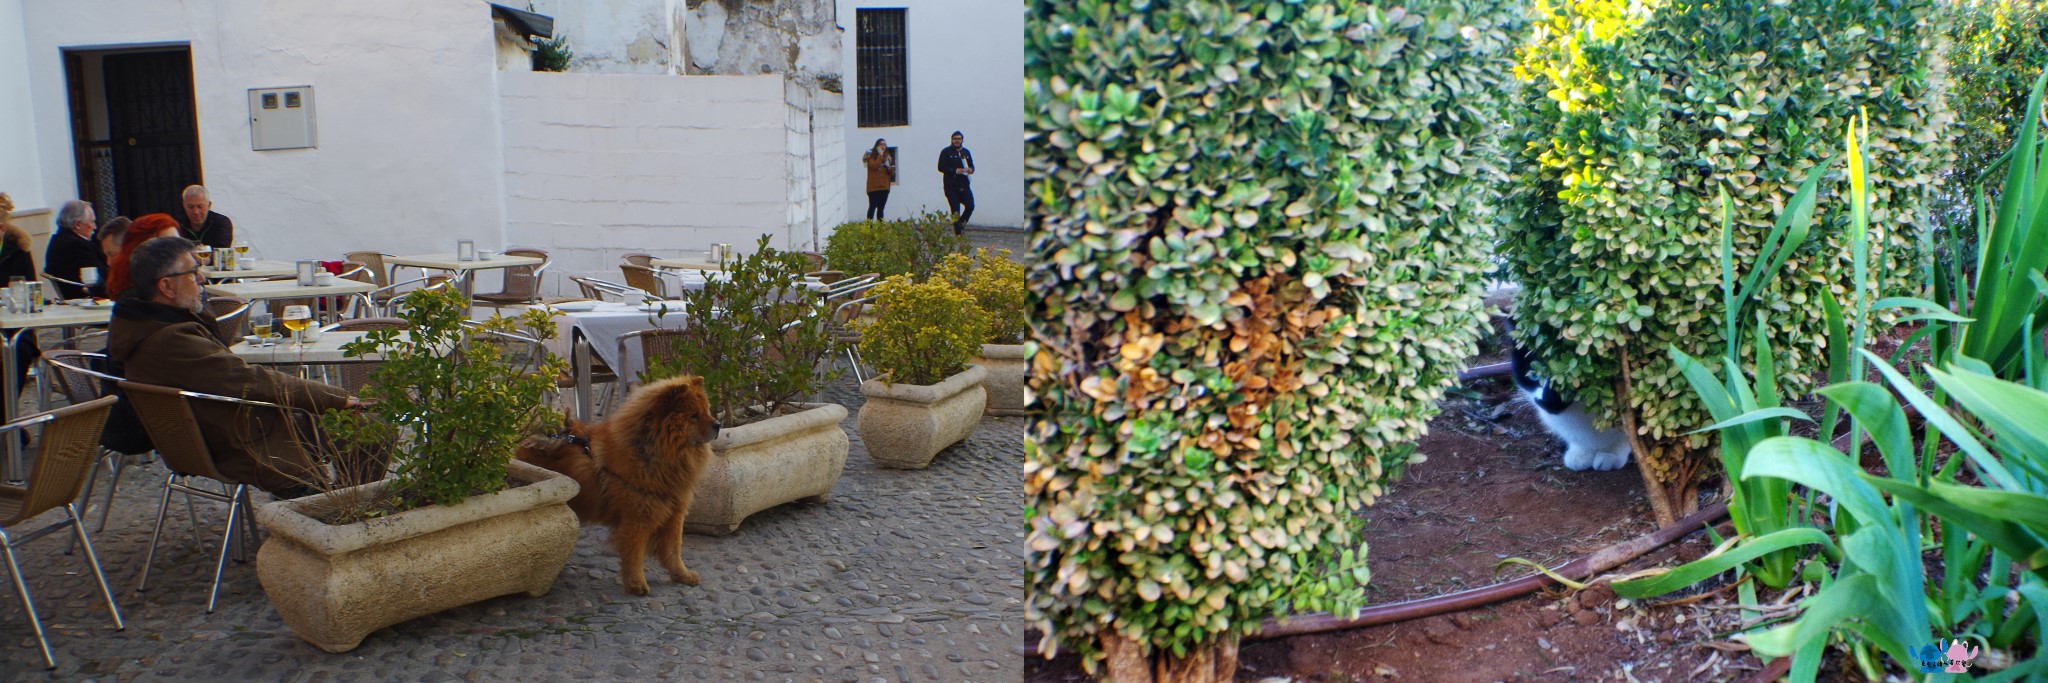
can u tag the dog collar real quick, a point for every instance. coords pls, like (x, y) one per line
(583, 441)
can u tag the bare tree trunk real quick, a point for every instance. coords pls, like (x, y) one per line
(1127, 662)
(1661, 508)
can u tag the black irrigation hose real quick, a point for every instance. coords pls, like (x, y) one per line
(1590, 565)
(1576, 570)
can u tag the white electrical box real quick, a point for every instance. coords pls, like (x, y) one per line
(281, 118)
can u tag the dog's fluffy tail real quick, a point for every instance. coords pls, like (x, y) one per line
(547, 452)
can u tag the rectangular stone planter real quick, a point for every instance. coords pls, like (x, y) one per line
(335, 584)
(906, 425)
(1005, 381)
(761, 465)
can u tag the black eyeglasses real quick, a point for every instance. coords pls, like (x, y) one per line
(194, 272)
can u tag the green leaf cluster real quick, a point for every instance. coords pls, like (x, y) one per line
(454, 397)
(1265, 239)
(997, 284)
(1636, 115)
(923, 332)
(1996, 48)
(910, 246)
(755, 336)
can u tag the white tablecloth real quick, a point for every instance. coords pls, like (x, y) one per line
(605, 323)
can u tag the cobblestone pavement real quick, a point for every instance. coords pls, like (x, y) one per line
(902, 576)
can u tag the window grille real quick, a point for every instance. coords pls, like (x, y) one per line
(882, 67)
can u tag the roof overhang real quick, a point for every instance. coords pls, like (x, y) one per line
(527, 23)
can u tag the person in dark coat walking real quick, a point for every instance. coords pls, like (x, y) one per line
(72, 250)
(956, 164)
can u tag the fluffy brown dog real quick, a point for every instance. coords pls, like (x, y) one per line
(638, 470)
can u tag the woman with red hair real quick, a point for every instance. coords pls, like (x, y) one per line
(142, 230)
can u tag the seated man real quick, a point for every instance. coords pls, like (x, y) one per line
(161, 335)
(71, 250)
(200, 224)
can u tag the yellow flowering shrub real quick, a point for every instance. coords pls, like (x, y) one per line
(997, 284)
(922, 332)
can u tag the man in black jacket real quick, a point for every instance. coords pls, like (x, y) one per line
(956, 163)
(200, 224)
(72, 250)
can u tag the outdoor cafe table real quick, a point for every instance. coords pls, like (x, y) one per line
(463, 280)
(289, 289)
(323, 351)
(27, 324)
(683, 265)
(595, 331)
(256, 270)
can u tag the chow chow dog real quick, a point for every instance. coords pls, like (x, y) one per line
(638, 469)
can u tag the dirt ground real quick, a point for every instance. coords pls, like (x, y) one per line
(1493, 488)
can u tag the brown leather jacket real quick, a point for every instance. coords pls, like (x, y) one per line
(169, 346)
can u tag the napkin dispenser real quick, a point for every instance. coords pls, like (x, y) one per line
(308, 269)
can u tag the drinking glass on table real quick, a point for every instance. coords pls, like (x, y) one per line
(296, 318)
(242, 253)
(259, 325)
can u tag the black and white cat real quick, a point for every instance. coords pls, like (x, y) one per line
(1585, 448)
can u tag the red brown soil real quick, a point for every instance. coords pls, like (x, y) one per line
(1493, 487)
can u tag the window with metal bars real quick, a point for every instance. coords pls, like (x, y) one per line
(884, 88)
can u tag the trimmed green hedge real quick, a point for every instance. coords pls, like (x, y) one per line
(1996, 49)
(911, 246)
(1636, 117)
(1265, 241)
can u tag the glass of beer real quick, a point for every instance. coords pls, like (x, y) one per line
(296, 318)
(259, 325)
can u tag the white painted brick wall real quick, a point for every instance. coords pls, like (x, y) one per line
(601, 165)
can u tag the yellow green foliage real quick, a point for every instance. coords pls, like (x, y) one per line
(1628, 132)
(923, 332)
(1266, 236)
(997, 284)
(1996, 49)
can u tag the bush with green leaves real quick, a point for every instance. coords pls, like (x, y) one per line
(1265, 239)
(454, 398)
(922, 332)
(1634, 119)
(754, 336)
(911, 246)
(1996, 48)
(997, 284)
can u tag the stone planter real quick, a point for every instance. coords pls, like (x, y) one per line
(761, 465)
(335, 584)
(906, 425)
(1005, 381)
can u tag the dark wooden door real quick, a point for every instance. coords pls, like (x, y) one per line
(154, 129)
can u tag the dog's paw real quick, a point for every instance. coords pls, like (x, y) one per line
(638, 587)
(685, 577)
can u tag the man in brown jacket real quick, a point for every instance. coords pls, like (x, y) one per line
(161, 335)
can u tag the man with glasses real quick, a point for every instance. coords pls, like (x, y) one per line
(161, 334)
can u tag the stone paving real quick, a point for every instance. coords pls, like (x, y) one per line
(901, 576)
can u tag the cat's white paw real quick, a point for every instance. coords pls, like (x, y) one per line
(1610, 460)
(1577, 459)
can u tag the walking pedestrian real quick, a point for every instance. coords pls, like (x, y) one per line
(881, 173)
(956, 164)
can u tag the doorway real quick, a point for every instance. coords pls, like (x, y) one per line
(134, 128)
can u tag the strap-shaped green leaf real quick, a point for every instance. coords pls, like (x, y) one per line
(1757, 415)
(1711, 565)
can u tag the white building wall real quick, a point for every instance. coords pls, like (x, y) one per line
(20, 176)
(966, 69)
(600, 165)
(408, 157)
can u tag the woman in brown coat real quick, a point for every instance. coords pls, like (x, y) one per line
(881, 172)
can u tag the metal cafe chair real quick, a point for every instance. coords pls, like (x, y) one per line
(70, 437)
(167, 414)
(76, 375)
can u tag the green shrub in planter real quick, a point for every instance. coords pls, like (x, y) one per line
(1264, 246)
(455, 400)
(1634, 119)
(901, 247)
(753, 339)
(923, 332)
(997, 284)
